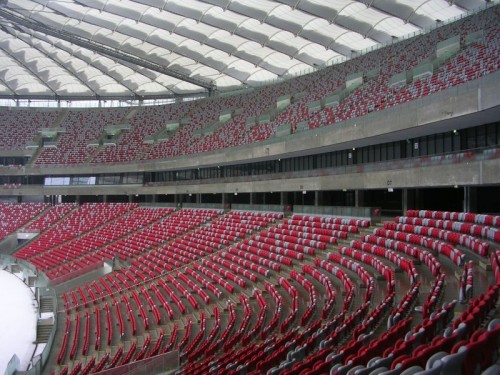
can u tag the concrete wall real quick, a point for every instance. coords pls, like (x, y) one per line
(465, 173)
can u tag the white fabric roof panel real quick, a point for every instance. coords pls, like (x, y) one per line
(227, 42)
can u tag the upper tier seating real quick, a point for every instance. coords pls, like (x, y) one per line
(197, 132)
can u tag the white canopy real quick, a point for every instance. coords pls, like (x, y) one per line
(228, 43)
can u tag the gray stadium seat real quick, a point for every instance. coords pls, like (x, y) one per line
(452, 363)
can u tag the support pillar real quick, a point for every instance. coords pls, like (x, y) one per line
(225, 201)
(316, 198)
(359, 198)
(470, 199)
(404, 200)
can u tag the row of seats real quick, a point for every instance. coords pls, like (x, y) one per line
(346, 281)
(476, 230)
(363, 274)
(466, 217)
(236, 337)
(495, 264)
(434, 295)
(311, 293)
(451, 252)
(415, 252)
(399, 261)
(329, 302)
(381, 267)
(478, 246)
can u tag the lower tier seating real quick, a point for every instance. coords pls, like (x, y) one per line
(238, 293)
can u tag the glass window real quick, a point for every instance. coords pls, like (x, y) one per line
(481, 136)
(423, 146)
(56, 181)
(109, 180)
(371, 154)
(133, 178)
(397, 150)
(390, 151)
(431, 145)
(448, 142)
(86, 180)
(376, 153)
(439, 144)
(471, 138)
(491, 135)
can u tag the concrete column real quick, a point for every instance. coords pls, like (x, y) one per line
(470, 199)
(198, 198)
(359, 198)
(316, 198)
(404, 201)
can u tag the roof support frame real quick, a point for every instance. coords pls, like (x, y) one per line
(94, 46)
(63, 67)
(415, 10)
(21, 63)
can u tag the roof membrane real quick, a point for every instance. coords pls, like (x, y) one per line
(60, 48)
